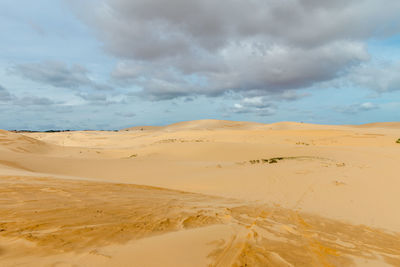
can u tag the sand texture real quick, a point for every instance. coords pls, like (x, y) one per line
(202, 193)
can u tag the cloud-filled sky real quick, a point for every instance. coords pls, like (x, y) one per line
(110, 64)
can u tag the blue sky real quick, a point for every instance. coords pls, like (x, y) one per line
(110, 64)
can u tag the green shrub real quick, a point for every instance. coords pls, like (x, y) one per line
(398, 141)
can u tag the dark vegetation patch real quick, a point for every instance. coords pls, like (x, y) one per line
(277, 159)
(270, 161)
(302, 143)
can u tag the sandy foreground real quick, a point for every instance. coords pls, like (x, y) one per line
(202, 193)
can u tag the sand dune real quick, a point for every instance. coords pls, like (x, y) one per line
(201, 193)
(389, 125)
(143, 128)
(200, 125)
(212, 125)
(21, 143)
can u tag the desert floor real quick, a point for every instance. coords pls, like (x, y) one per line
(202, 193)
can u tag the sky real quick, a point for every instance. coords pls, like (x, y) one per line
(111, 64)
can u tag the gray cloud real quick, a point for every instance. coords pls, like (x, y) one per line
(34, 101)
(177, 48)
(93, 97)
(291, 95)
(125, 114)
(246, 70)
(381, 77)
(152, 29)
(5, 95)
(58, 74)
(25, 101)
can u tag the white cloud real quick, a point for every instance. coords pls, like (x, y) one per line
(254, 105)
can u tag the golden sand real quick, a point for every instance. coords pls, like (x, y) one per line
(202, 193)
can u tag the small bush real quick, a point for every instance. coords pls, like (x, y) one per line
(398, 141)
(275, 160)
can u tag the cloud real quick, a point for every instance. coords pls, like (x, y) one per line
(379, 76)
(24, 101)
(99, 99)
(154, 29)
(246, 70)
(34, 101)
(125, 114)
(254, 105)
(177, 48)
(58, 74)
(5, 95)
(357, 108)
(291, 95)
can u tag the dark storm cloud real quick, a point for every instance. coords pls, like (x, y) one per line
(183, 47)
(58, 74)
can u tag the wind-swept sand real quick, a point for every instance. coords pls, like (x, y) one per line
(202, 193)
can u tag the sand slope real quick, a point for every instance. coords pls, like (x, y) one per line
(202, 193)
